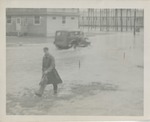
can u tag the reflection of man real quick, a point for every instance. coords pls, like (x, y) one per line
(75, 42)
(50, 75)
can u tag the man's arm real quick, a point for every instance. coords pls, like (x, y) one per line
(52, 65)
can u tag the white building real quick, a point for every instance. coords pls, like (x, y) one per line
(61, 19)
(40, 22)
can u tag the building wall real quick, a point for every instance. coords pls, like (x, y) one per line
(27, 26)
(47, 26)
(56, 24)
(37, 29)
(11, 27)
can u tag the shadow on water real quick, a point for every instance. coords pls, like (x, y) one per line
(27, 103)
(91, 89)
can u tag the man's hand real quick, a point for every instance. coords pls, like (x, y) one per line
(45, 72)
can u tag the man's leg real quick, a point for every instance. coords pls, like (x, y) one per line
(55, 87)
(41, 90)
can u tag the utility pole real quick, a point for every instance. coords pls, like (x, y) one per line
(121, 20)
(95, 19)
(88, 19)
(131, 19)
(100, 19)
(79, 22)
(116, 19)
(92, 18)
(134, 22)
(106, 20)
(126, 19)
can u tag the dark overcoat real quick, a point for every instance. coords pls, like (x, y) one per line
(49, 66)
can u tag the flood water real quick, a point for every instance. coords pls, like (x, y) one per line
(93, 77)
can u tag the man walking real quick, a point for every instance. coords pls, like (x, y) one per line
(50, 75)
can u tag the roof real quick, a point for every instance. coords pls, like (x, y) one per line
(25, 11)
(38, 11)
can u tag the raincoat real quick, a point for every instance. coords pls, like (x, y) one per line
(52, 77)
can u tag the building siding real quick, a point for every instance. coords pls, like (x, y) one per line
(27, 26)
(37, 29)
(11, 27)
(48, 25)
(56, 24)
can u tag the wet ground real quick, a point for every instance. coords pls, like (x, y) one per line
(105, 78)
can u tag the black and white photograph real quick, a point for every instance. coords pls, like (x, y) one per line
(75, 61)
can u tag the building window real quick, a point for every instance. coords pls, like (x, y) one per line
(72, 18)
(63, 9)
(8, 19)
(18, 20)
(54, 17)
(63, 20)
(36, 19)
(58, 33)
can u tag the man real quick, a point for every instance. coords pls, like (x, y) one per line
(75, 43)
(50, 75)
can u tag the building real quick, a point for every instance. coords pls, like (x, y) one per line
(40, 22)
